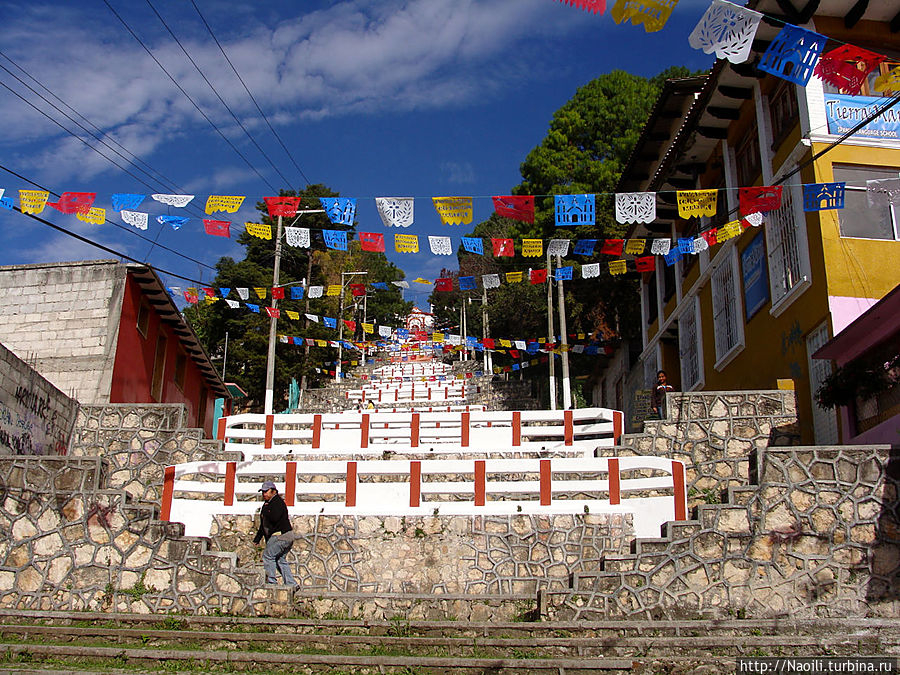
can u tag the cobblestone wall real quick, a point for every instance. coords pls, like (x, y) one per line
(820, 536)
(438, 554)
(138, 442)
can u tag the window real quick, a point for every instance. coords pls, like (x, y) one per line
(652, 308)
(747, 158)
(143, 317)
(180, 367)
(159, 367)
(824, 420)
(788, 265)
(857, 218)
(689, 347)
(727, 325)
(201, 407)
(784, 111)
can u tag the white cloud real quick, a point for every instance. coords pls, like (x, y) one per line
(458, 172)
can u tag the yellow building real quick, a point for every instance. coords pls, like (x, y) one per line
(751, 311)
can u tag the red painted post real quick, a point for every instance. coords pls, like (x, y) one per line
(615, 495)
(415, 483)
(350, 485)
(480, 482)
(414, 431)
(317, 432)
(618, 425)
(364, 431)
(220, 432)
(569, 425)
(545, 482)
(165, 510)
(230, 475)
(464, 430)
(290, 483)
(517, 428)
(680, 495)
(270, 431)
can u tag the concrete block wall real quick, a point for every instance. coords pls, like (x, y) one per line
(65, 315)
(36, 418)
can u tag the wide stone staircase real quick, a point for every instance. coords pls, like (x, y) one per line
(789, 551)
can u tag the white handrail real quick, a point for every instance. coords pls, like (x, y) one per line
(464, 485)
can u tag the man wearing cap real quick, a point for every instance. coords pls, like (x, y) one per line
(275, 527)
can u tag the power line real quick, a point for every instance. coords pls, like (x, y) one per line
(215, 91)
(102, 247)
(162, 179)
(121, 227)
(252, 98)
(188, 97)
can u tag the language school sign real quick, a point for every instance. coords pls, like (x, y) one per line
(845, 112)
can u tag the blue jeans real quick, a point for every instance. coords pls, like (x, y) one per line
(274, 558)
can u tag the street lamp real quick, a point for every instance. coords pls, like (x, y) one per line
(337, 368)
(273, 321)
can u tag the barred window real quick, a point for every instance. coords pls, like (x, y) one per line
(787, 266)
(689, 347)
(726, 303)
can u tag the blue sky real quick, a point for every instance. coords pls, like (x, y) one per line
(416, 98)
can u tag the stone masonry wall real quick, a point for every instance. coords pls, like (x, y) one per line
(36, 418)
(65, 315)
(819, 536)
(438, 554)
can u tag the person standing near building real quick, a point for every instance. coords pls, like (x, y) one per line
(275, 528)
(658, 403)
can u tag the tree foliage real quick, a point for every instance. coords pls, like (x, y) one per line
(248, 332)
(587, 145)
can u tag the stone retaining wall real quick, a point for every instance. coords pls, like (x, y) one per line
(819, 536)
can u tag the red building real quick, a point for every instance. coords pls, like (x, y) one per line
(107, 332)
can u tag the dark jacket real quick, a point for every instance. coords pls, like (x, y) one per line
(272, 519)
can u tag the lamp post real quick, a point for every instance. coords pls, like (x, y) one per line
(273, 321)
(337, 367)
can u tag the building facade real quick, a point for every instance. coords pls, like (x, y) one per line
(751, 311)
(107, 332)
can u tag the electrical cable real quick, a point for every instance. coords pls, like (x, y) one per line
(188, 97)
(218, 96)
(121, 227)
(102, 247)
(160, 177)
(252, 98)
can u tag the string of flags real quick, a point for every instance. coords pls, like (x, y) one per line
(579, 209)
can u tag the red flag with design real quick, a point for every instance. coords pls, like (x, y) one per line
(371, 241)
(217, 228)
(444, 284)
(612, 246)
(516, 207)
(191, 297)
(847, 67)
(358, 290)
(488, 343)
(711, 236)
(503, 247)
(645, 263)
(595, 6)
(278, 292)
(74, 202)
(282, 206)
(273, 312)
(210, 292)
(351, 325)
(538, 276)
(759, 198)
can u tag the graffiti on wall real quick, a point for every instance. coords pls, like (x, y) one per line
(30, 424)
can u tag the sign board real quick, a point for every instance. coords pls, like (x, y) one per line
(641, 409)
(844, 112)
(756, 280)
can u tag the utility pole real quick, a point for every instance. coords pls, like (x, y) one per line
(485, 332)
(566, 382)
(550, 332)
(337, 367)
(273, 322)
